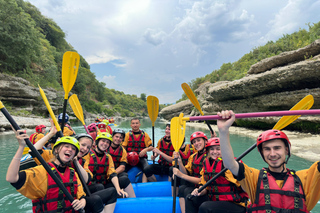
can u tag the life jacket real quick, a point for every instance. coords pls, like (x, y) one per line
(93, 135)
(98, 168)
(197, 164)
(185, 156)
(271, 198)
(136, 144)
(103, 130)
(166, 148)
(221, 189)
(33, 137)
(116, 155)
(55, 200)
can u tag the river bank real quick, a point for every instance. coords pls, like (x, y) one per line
(304, 145)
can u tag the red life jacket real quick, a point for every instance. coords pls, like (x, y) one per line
(136, 144)
(98, 168)
(271, 198)
(33, 137)
(221, 189)
(116, 155)
(93, 135)
(55, 200)
(103, 130)
(185, 156)
(197, 164)
(166, 148)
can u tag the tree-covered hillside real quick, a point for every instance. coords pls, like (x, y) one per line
(32, 47)
(236, 70)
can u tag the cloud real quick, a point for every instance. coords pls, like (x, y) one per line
(154, 37)
(100, 58)
(109, 80)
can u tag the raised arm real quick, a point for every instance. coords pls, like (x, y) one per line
(226, 149)
(43, 141)
(13, 169)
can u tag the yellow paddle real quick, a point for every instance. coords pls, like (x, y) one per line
(177, 132)
(70, 65)
(38, 156)
(60, 134)
(194, 101)
(77, 109)
(44, 97)
(306, 103)
(153, 110)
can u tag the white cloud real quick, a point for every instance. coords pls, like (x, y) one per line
(154, 37)
(188, 38)
(100, 58)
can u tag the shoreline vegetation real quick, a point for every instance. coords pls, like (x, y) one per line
(304, 145)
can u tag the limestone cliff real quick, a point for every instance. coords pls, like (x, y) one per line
(275, 83)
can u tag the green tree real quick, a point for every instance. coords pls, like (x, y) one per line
(143, 96)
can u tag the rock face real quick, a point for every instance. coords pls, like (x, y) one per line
(275, 83)
(22, 94)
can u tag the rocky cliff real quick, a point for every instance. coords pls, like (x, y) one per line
(275, 83)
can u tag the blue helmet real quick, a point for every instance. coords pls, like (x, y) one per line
(66, 118)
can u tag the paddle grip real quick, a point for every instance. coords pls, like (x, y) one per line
(64, 113)
(223, 171)
(39, 157)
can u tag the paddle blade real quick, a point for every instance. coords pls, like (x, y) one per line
(177, 132)
(25, 150)
(76, 107)
(153, 108)
(305, 104)
(44, 97)
(70, 65)
(191, 97)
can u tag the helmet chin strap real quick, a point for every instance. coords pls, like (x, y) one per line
(115, 145)
(98, 148)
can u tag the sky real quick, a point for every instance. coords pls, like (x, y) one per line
(153, 46)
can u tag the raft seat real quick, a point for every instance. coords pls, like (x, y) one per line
(152, 189)
(146, 205)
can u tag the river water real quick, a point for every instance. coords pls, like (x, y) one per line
(12, 201)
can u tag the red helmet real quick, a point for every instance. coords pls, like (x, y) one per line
(213, 142)
(92, 127)
(198, 135)
(133, 158)
(39, 128)
(102, 126)
(271, 135)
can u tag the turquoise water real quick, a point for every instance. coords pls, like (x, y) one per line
(12, 201)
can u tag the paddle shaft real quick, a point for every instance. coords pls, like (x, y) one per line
(64, 113)
(39, 157)
(223, 171)
(153, 140)
(174, 187)
(211, 130)
(259, 114)
(84, 184)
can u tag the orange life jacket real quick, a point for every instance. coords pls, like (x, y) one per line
(55, 200)
(221, 189)
(271, 198)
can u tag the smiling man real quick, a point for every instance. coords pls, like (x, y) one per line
(275, 188)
